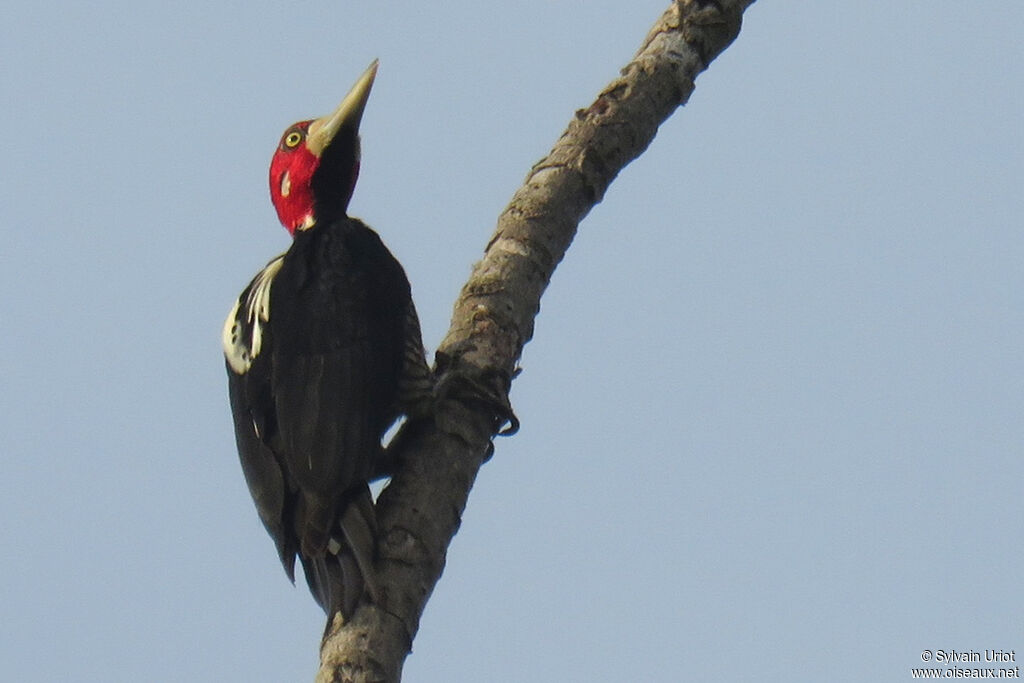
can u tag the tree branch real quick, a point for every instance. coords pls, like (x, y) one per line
(420, 510)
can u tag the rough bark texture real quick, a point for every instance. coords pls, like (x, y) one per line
(420, 510)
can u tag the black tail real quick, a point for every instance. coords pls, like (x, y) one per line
(340, 577)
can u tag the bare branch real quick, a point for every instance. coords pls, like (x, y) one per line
(420, 510)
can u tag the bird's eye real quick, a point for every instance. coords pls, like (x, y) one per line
(292, 139)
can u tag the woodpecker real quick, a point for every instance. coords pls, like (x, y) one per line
(324, 354)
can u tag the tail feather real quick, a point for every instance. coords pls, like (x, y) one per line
(343, 574)
(359, 526)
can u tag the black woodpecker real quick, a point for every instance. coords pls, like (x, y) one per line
(324, 354)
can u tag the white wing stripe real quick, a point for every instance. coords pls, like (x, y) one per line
(242, 336)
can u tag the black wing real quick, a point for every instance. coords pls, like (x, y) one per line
(246, 339)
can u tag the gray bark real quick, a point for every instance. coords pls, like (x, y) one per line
(420, 510)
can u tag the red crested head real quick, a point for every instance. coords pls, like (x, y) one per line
(314, 168)
(291, 177)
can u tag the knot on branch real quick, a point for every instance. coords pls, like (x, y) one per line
(706, 26)
(709, 25)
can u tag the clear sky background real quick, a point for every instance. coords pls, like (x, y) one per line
(771, 414)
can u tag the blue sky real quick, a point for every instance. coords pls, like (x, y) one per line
(771, 413)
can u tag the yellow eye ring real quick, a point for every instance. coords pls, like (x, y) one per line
(292, 139)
